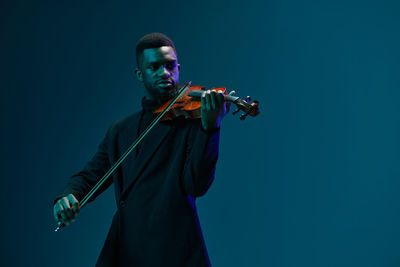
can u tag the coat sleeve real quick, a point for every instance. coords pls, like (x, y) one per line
(81, 183)
(201, 158)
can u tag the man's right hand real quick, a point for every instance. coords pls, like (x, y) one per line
(66, 209)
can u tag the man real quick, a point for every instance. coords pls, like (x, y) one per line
(156, 223)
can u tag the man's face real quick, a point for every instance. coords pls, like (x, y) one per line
(159, 72)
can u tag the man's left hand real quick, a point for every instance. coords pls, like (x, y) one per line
(213, 109)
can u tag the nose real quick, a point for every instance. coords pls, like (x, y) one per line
(164, 72)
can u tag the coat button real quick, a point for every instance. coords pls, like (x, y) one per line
(122, 204)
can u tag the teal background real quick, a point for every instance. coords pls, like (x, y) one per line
(313, 181)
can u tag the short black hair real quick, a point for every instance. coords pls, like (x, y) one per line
(152, 40)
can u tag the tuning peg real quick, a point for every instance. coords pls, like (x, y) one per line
(243, 116)
(236, 111)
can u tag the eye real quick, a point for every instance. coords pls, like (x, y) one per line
(153, 67)
(171, 65)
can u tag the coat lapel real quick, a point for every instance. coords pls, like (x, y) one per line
(149, 148)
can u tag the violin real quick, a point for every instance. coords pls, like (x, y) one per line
(189, 104)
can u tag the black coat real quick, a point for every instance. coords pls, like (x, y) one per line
(156, 223)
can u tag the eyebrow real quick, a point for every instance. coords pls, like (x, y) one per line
(165, 61)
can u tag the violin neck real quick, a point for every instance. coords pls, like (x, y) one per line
(199, 93)
(230, 98)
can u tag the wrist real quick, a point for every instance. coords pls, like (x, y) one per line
(209, 130)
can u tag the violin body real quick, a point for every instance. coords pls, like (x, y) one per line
(186, 105)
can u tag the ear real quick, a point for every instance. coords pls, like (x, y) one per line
(139, 74)
(179, 67)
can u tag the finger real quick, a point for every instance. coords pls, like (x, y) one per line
(71, 208)
(56, 211)
(71, 203)
(67, 206)
(213, 100)
(208, 100)
(75, 203)
(62, 217)
(67, 210)
(220, 99)
(203, 102)
(228, 106)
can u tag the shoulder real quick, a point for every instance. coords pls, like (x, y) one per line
(125, 123)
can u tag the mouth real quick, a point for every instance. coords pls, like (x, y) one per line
(165, 83)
